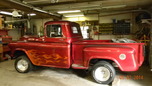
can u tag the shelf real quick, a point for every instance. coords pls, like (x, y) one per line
(114, 28)
(106, 28)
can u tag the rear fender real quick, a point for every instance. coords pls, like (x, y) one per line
(112, 54)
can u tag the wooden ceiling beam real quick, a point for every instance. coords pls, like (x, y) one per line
(62, 3)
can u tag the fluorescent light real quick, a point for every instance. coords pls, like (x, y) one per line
(8, 13)
(70, 11)
(74, 16)
(116, 6)
(31, 14)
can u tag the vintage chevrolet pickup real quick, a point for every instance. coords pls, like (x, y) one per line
(63, 46)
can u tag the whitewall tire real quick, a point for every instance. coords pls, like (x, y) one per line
(23, 64)
(103, 72)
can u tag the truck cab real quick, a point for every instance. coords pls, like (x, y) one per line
(63, 46)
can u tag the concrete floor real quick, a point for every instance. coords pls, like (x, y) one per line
(67, 77)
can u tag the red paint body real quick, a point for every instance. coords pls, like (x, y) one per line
(72, 51)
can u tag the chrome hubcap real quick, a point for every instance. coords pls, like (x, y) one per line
(22, 65)
(102, 74)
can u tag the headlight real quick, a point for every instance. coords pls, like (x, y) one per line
(122, 56)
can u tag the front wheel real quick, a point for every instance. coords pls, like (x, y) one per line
(23, 64)
(103, 72)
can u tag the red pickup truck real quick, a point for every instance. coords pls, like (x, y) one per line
(63, 46)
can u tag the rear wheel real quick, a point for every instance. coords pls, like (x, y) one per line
(23, 64)
(103, 72)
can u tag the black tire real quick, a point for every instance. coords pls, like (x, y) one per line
(23, 64)
(102, 70)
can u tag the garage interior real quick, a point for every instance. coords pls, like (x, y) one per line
(98, 19)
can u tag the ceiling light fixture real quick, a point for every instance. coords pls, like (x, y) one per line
(115, 6)
(74, 16)
(70, 11)
(15, 13)
(31, 14)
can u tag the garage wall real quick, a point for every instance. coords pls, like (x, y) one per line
(102, 17)
(87, 17)
(107, 19)
(35, 25)
(15, 33)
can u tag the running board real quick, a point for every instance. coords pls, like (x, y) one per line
(78, 66)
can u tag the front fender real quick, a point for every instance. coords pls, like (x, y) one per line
(112, 53)
(18, 50)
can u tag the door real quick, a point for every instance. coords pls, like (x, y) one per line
(58, 48)
(54, 51)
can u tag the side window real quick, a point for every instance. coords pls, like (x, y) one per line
(75, 30)
(54, 31)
